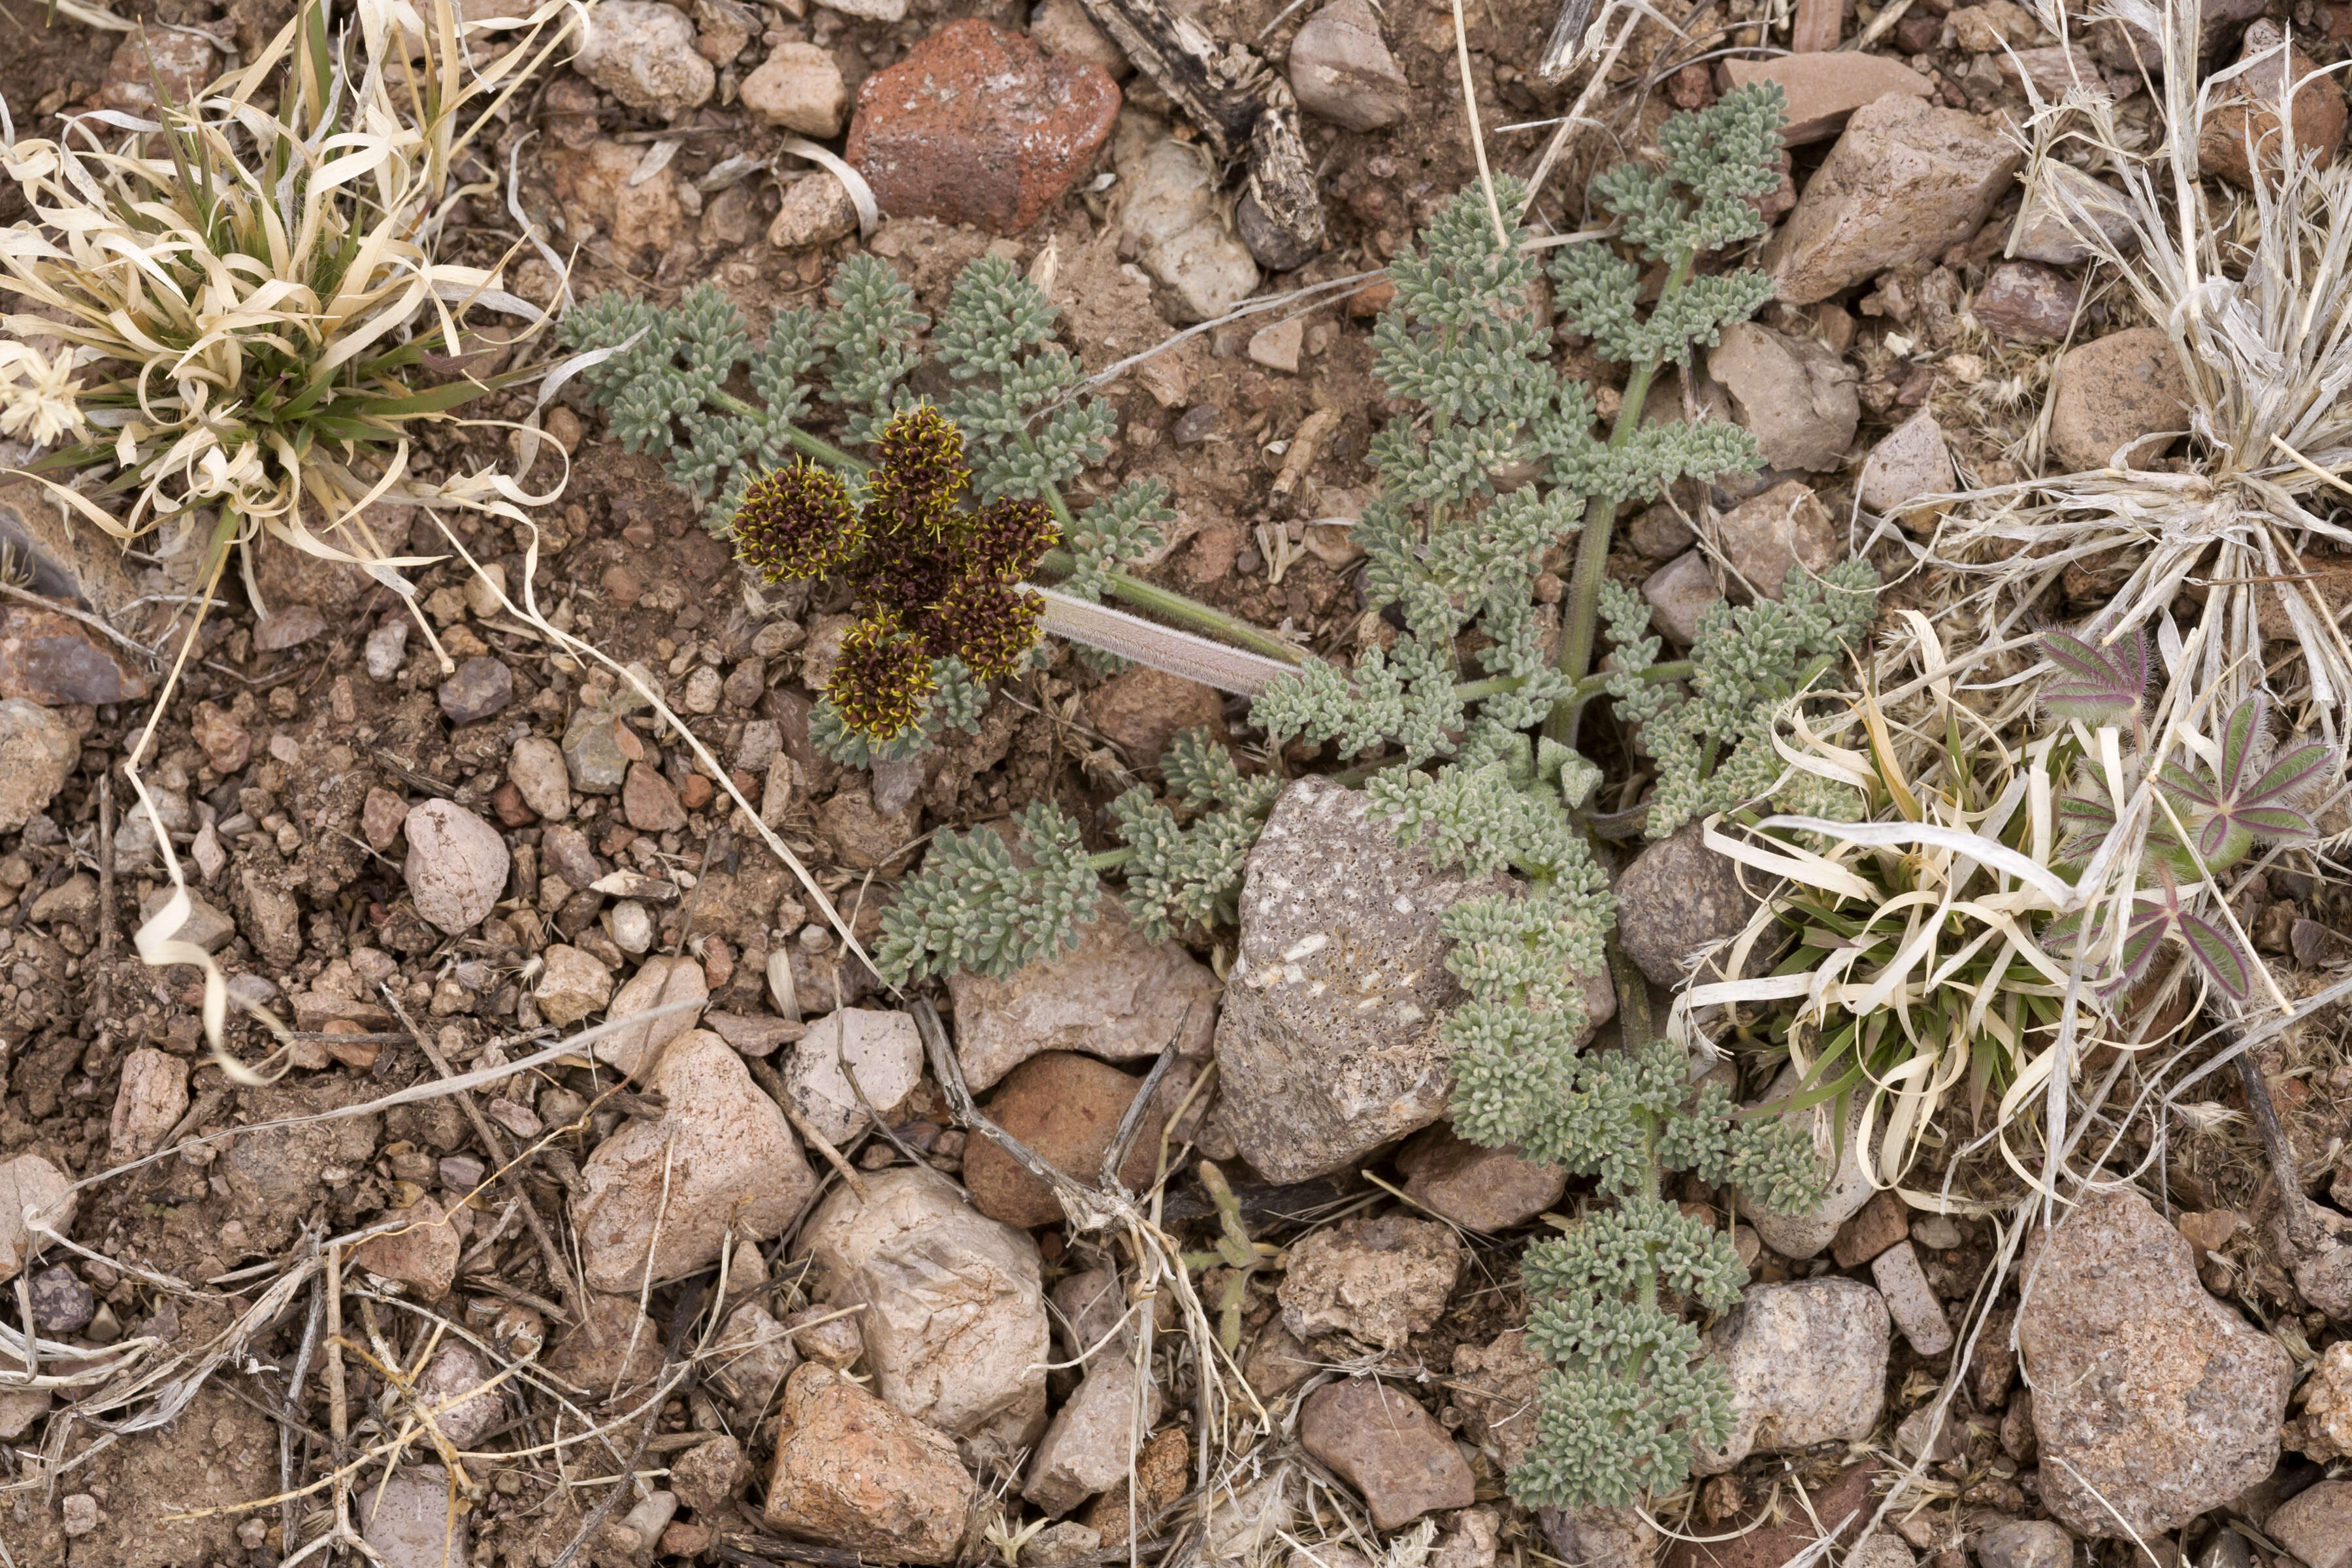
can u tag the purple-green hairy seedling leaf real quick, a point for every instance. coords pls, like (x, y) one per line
(2246, 798)
(2209, 947)
(2097, 685)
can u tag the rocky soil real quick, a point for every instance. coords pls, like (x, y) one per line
(739, 1251)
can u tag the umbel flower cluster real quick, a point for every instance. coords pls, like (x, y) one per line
(936, 582)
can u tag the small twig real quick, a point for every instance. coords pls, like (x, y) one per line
(1131, 1123)
(338, 1399)
(889, 1133)
(768, 1078)
(690, 1303)
(2275, 1145)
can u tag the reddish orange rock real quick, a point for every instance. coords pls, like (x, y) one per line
(977, 126)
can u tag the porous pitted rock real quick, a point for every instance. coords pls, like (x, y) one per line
(153, 1097)
(2125, 391)
(799, 87)
(1796, 397)
(1085, 1451)
(1596, 1537)
(1478, 1188)
(421, 1253)
(2324, 1430)
(38, 751)
(882, 1048)
(573, 985)
(2027, 303)
(600, 189)
(29, 1184)
(643, 53)
(1341, 71)
(457, 864)
(2316, 1525)
(1378, 1280)
(1065, 1108)
(2245, 113)
(977, 126)
(1170, 213)
(852, 1472)
(720, 1154)
(1494, 1391)
(1807, 1361)
(1910, 462)
(2153, 1401)
(1825, 88)
(954, 1325)
(659, 983)
(1782, 534)
(2025, 1543)
(752, 1356)
(1330, 1041)
(1903, 181)
(1382, 1442)
(410, 1522)
(1837, 1161)
(1675, 899)
(1114, 995)
(816, 210)
(707, 1474)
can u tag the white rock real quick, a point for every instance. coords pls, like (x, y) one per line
(411, 1522)
(815, 211)
(37, 753)
(1086, 1448)
(152, 1098)
(571, 985)
(799, 87)
(1341, 69)
(870, 10)
(643, 53)
(1062, 27)
(666, 1188)
(659, 983)
(1679, 593)
(704, 689)
(536, 765)
(386, 646)
(1846, 1188)
(954, 1325)
(30, 1185)
(633, 927)
(1808, 1364)
(882, 1048)
(456, 866)
(1180, 233)
(1276, 347)
(1782, 534)
(1911, 1301)
(752, 1357)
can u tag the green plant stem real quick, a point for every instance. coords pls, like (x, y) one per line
(1592, 545)
(1109, 859)
(1135, 590)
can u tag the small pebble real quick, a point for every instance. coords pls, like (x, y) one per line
(462, 1172)
(386, 646)
(481, 687)
(62, 1304)
(633, 927)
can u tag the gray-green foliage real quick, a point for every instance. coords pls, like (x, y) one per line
(670, 387)
(975, 906)
(1714, 747)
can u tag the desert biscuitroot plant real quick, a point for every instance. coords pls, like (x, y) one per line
(1018, 428)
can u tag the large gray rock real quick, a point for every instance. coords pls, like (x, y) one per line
(1331, 1044)
(954, 1323)
(1796, 397)
(2124, 393)
(1677, 897)
(1808, 1364)
(1115, 995)
(2152, 1400)
(1905, 182)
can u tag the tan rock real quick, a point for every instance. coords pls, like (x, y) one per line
(973, 1370)
(659, 981)
(30, 1185)
(152, 1098)
(852, 1472)
(2125, 393)
(1343, 71)
(572, 986)
(2246, 117)
(643, 53)
(882, 1048)
(815, 211)
(1825, 89)
(1679, 594)
(1379, 1280)
(594, 183)
(1478, 1189)
(1086, 1448)
(752, 1357)
(1794, 395)
(1141, 711)
(1062, 27)
(799, 87)
(664, 1191)
(1910, 462)
(1065, 1108)
(457, 864)
(620, 1354)
(1388, 1448)
(422, 1254)
(1785, 530)
(1905, 182)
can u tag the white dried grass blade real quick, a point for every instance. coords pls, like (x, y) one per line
(1164, 649)
(861, 194)
(1896, 835)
